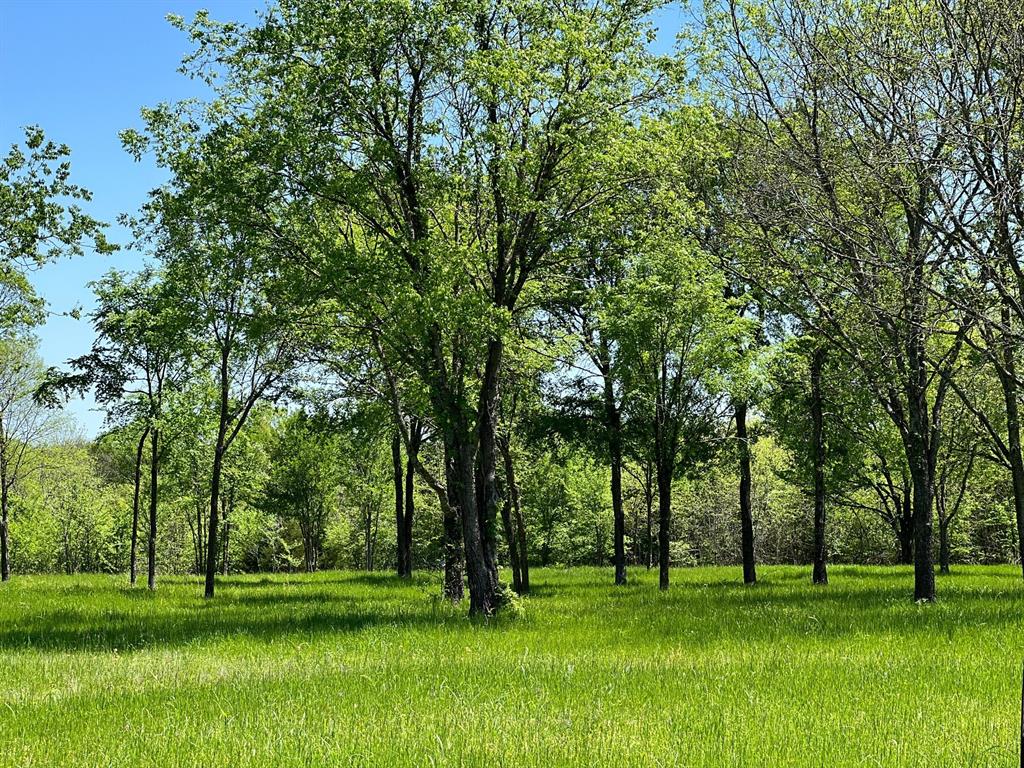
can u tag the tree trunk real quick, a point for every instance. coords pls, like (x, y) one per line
(513, 545)
(905, 526)
(918, 458)
(486, 485)
(136, 499)
(154, 469)
(943, 546)
(511, 524)
(5, 554)
(214, 523)
(415, 437)
(520, 523)
(613, 428)
(649, 501)
(462, 485)
(664, 518)
(746, 512)
(454, 585)
(368, 539)
(397, 475)
(1008, 380)
(227, 506)
(820, 574)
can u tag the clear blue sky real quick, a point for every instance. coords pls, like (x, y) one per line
(82, 69)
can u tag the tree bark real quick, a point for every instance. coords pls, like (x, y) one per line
(136, 503)
(154, 470)
(820, 573)
(520, 524)
(746, 511)
(487, 496)
(905, 525)
(462, 485)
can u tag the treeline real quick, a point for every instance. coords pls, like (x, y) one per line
(307, 492)
(760, 296)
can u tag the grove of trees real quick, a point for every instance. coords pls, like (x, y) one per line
(477, 285)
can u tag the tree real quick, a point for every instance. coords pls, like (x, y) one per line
(681, 337)
(142, 353)
(24, 422)
(846, 201)
(40, 221)
(305, 479)
(464, 139)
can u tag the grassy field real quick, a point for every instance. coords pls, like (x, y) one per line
(343, 669)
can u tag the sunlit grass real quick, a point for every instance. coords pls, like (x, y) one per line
(347, 669)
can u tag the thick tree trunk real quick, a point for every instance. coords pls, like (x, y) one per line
(154, 469)
(398, 477)
(133, 568)
(5, 553)
(462, 484)
(746, 511)
(487, 496)
(820, 573)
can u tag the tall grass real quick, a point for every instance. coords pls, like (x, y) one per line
(340, 669)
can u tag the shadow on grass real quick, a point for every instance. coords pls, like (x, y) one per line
(702, 607)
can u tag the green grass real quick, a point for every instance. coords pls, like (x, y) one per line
(344, 669)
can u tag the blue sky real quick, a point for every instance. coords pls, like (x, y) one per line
(82, 70)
